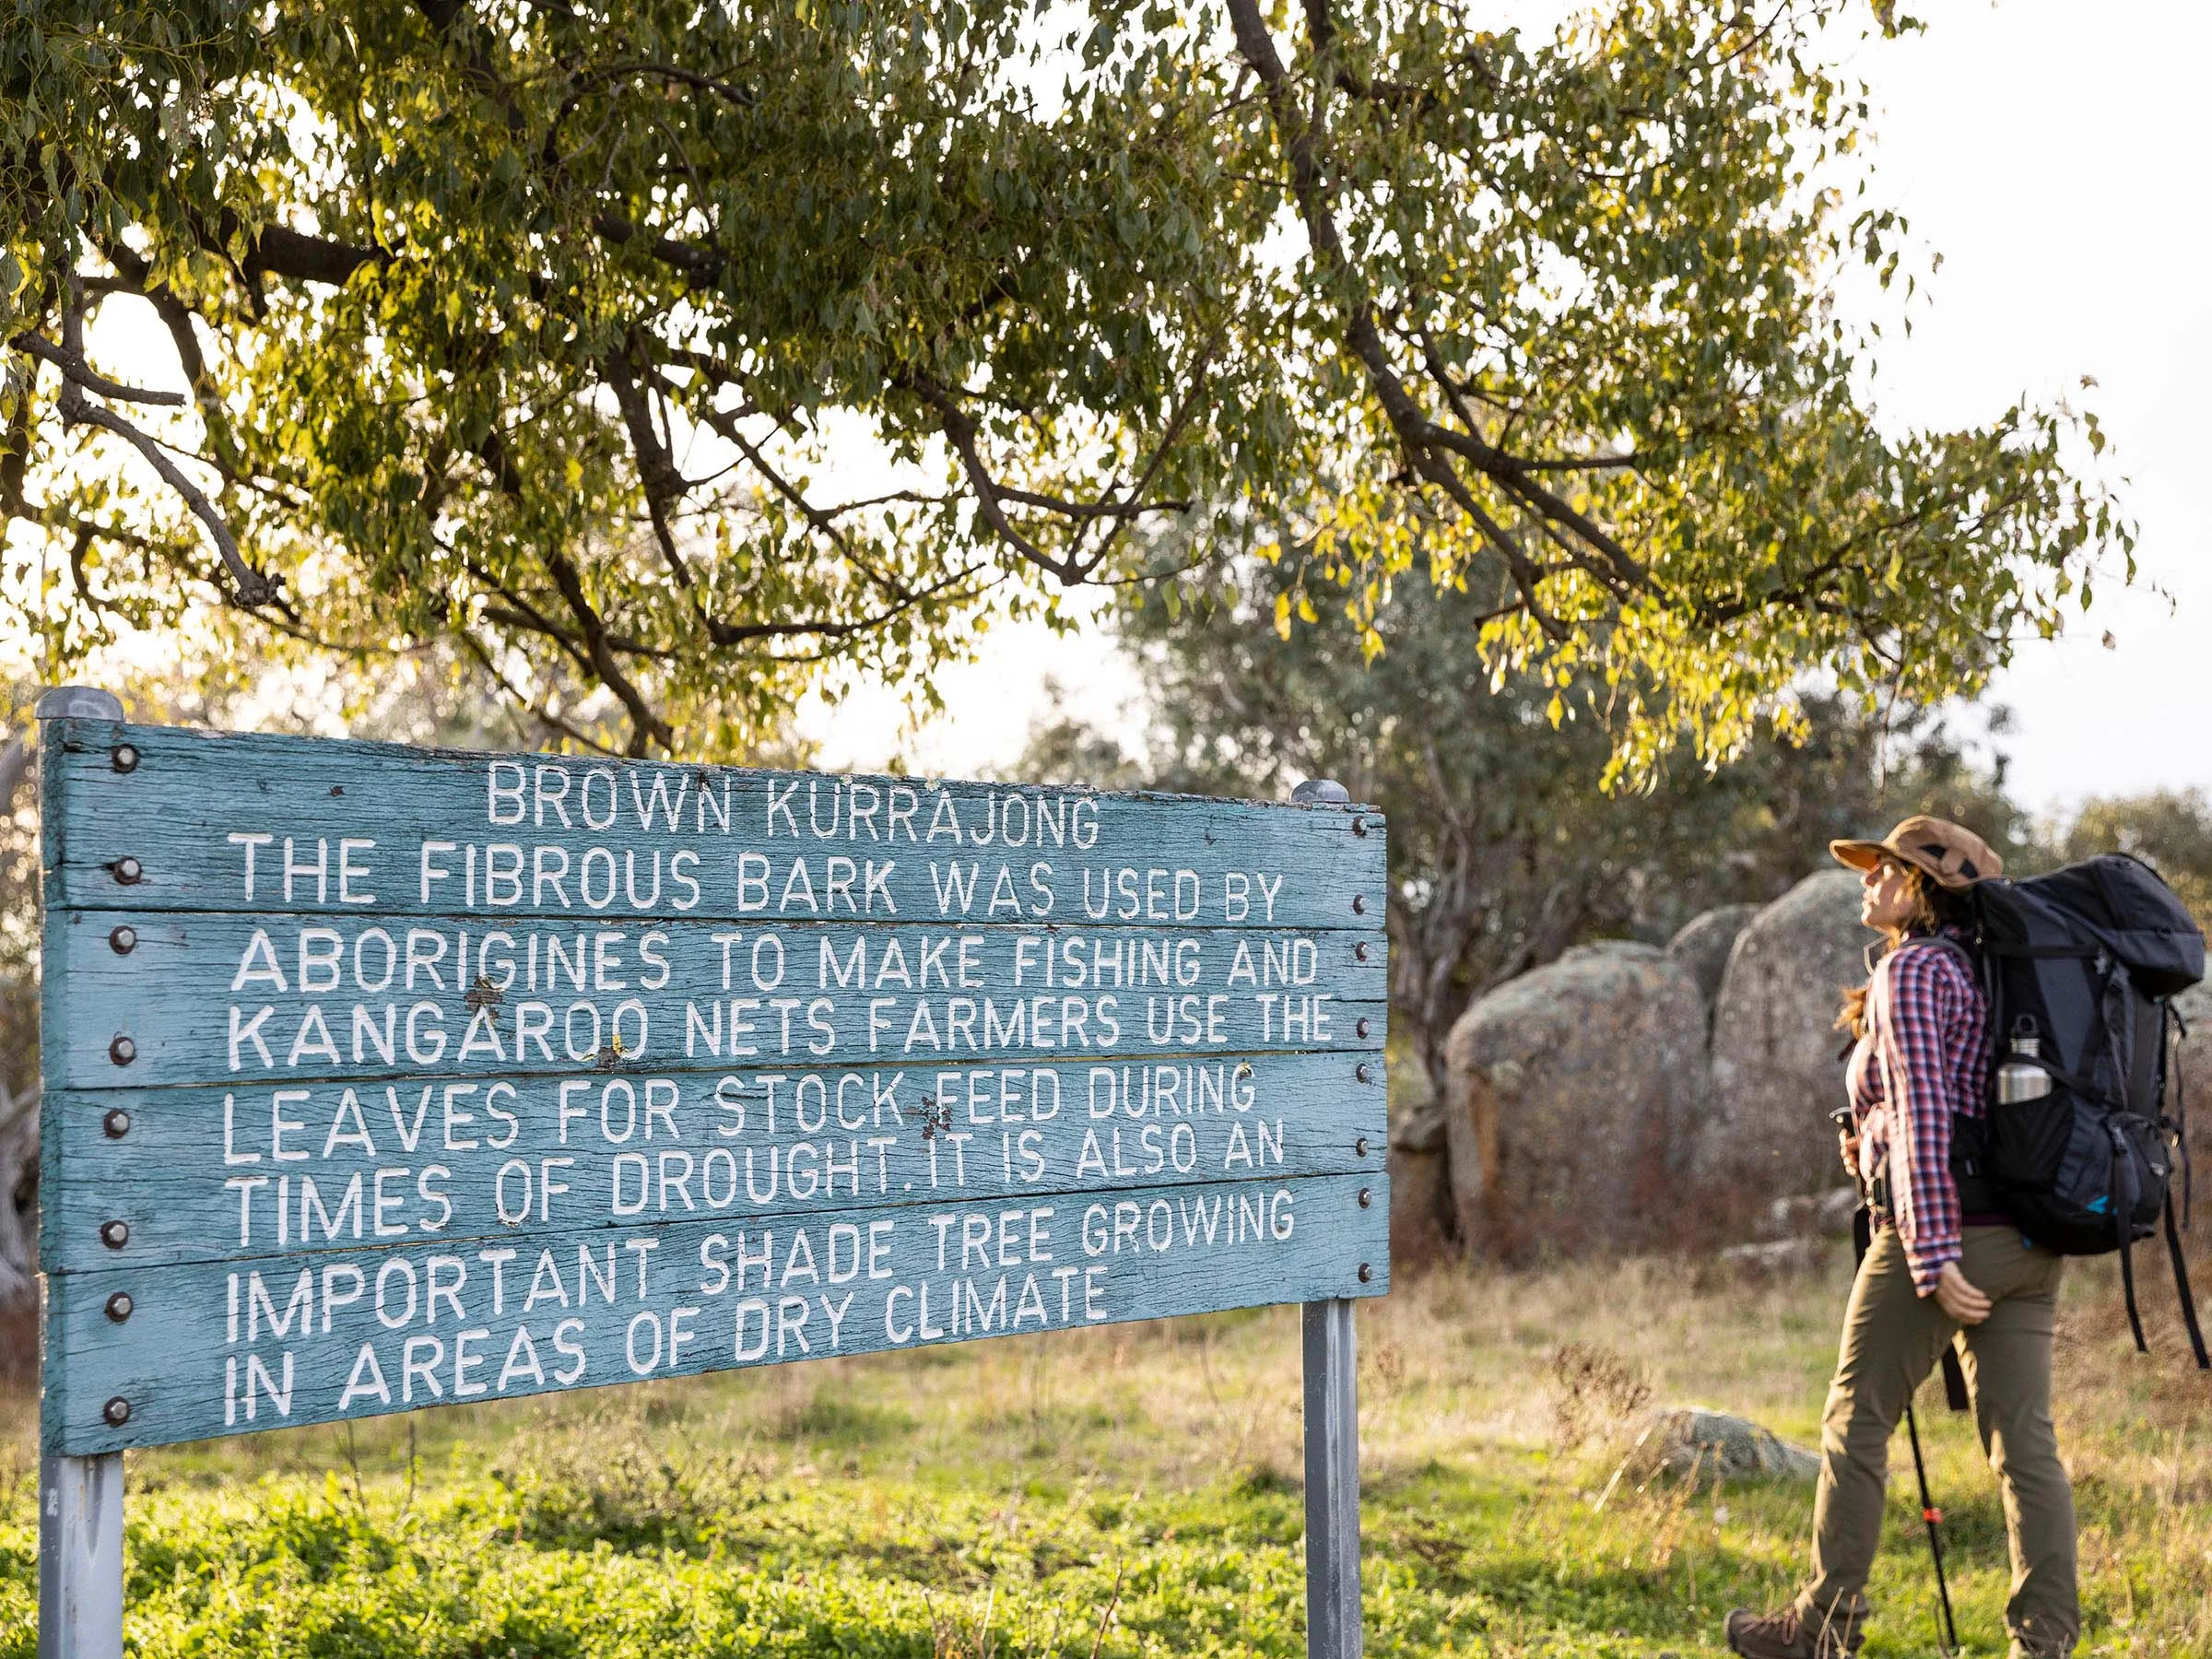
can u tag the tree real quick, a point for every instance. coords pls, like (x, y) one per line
(1503, 850)
(544, 335)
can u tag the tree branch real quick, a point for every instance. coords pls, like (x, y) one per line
(279, 251)
(15, 766)
(538, 710)
(960, 429)
(646, 727)
(1419, 436)
(78, 373)
(585, 81)
(737, 633)
(657, 473)
(249, 589)
(704, 267)
(15, 461)
(177, 317)
(726, 424)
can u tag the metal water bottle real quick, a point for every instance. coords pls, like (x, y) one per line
(2021, 1078)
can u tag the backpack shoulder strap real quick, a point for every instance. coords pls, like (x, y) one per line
(1968, 962)
(1945, 942)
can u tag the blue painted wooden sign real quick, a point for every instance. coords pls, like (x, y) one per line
(378, 1077)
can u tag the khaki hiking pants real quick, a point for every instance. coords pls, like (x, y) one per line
(1892, 1338)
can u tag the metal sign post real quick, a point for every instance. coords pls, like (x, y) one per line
(80, 1498)
(377, 1077)
(80, 1557)
(1332, 1365)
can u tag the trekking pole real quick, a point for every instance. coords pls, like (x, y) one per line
(1862, 1239)
(1933, 1517)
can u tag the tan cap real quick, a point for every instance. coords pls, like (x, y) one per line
(1950, 852)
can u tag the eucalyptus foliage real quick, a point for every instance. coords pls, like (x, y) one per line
(654, 358)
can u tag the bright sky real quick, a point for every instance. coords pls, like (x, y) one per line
(2047, 151)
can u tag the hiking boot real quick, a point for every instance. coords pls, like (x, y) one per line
(1790, 1635)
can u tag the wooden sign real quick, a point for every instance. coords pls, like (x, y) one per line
(381, 1077)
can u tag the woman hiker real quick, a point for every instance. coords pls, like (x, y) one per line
(1922, 1057)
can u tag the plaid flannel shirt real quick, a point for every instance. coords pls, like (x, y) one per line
(1925, 1058)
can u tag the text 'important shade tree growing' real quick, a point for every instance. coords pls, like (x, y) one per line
(545, 336)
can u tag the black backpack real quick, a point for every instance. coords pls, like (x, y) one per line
(2079, 967)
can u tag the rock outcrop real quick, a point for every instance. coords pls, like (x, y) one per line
(1712, 1447)
(1814, 1215)
(1775, 1073)
(1421, 1189)
(1570, 1092)
(1703, 945)
(1778, 1258)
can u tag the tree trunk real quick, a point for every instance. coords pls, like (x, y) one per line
(19, 1163)
(18, 1234)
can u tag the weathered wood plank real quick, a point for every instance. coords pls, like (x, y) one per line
(204, 1174)
(380, 830)
(220, 998)
(669, 1300)
(679, 1006)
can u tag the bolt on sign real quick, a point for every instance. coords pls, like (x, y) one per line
(379, 1078)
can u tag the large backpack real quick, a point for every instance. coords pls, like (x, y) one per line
(2079, 967)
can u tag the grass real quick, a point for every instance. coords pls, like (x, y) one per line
(1135, 1491)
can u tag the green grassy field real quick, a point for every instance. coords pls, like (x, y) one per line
(1135, 1490)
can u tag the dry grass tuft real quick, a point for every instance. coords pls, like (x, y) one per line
(1596, 1393)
